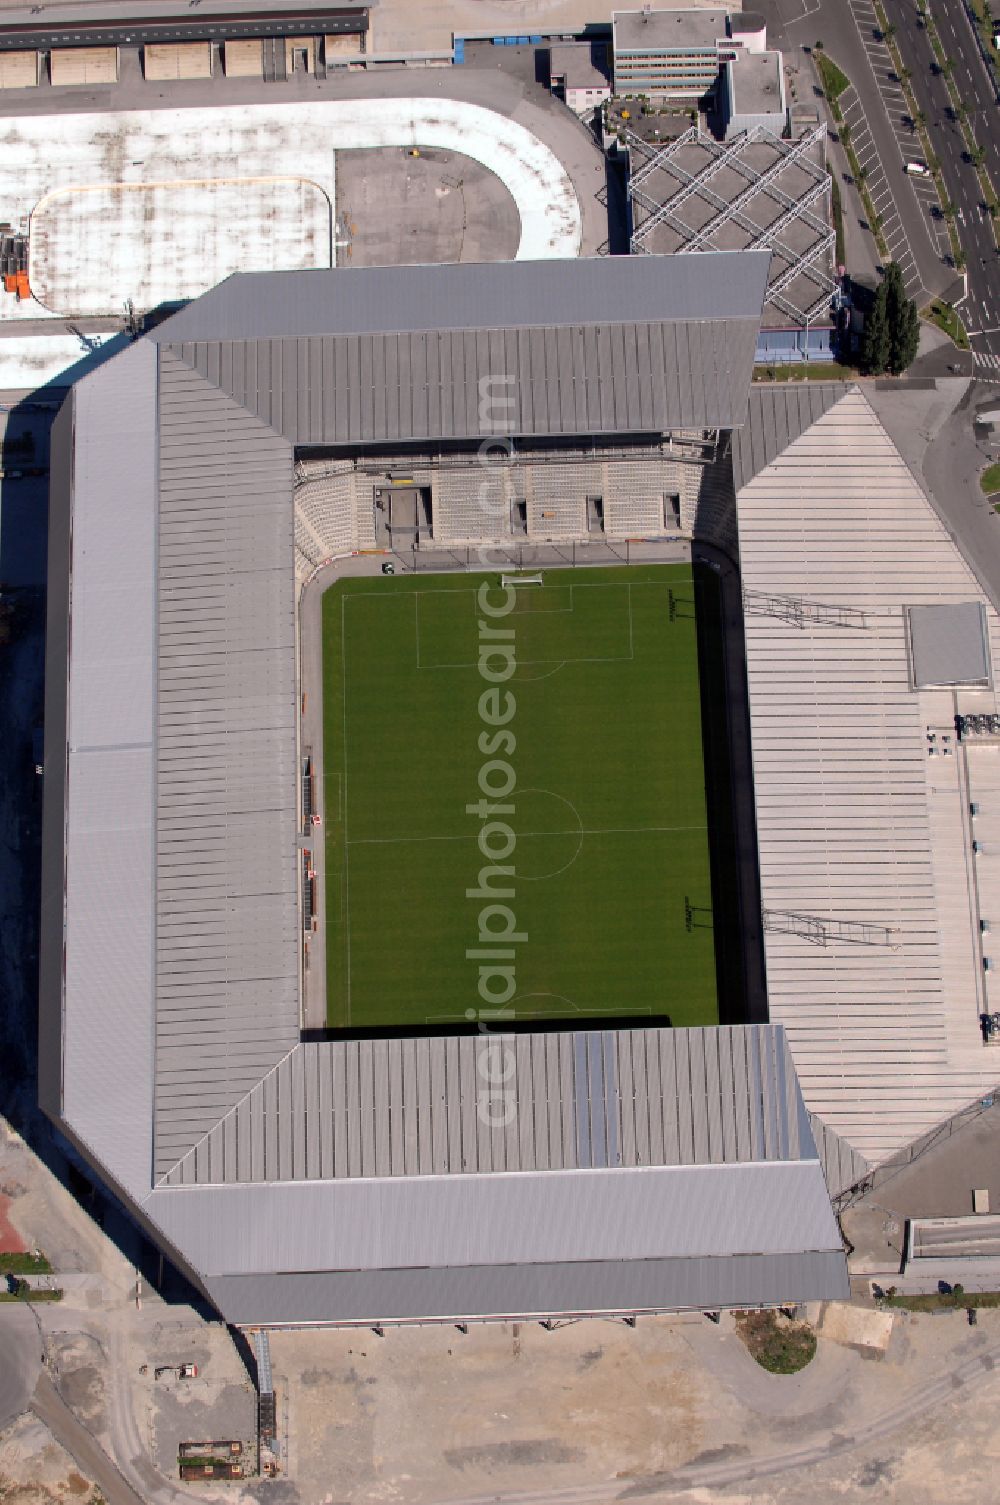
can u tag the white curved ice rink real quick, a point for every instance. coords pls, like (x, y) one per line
(155, 205)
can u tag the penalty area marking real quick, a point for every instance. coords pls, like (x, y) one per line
(552, 665)
(572, 1009)
(333, 813)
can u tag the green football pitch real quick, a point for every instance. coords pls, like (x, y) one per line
(611, 889)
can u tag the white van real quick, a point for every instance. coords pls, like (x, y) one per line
(918, 169)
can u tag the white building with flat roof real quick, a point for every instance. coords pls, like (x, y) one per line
(667, 54)
(677, 53)
(753, 93)
(580, 72)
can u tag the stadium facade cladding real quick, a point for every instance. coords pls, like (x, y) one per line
(109, 23)
(640, 1170)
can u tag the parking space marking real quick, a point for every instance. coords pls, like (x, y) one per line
(881, 189)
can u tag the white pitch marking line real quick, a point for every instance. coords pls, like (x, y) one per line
(388, 841)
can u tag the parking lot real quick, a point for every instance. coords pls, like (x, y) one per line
(904, 129)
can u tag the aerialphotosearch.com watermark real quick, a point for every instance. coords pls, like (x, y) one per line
(497, 933)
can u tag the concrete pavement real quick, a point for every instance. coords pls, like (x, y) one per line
(20, 1359)
(49, 1406)
(933, 430)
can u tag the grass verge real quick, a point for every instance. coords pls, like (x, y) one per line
(32, 1295)
(990, 479)
(943, 1301)
(837, 204)
(833, 79)
(24, 1264)
(805, 371)
(779, 1346)
(947, 320)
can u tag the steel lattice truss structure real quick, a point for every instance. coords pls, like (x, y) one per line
(794, 186)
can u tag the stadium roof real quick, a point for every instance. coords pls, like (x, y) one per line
(363, 357)
(860, 791)
(169, 977)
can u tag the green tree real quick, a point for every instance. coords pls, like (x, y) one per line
(902, 319)
(892, 327)
(876, 346)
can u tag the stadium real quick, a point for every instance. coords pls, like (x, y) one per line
(411, 863)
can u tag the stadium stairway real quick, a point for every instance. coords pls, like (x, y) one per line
(557, 499)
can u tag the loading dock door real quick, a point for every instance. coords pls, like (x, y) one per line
(300, 55)
(177, 60)
(18, 70)
(84, 65)
(244, 59)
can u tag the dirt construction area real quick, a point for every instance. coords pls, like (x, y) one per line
(425, 1414)
(674, 1409)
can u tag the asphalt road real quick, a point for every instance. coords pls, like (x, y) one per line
(908, 230)
(975, 88)
(20, 1360)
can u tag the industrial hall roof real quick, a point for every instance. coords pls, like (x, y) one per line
(171, 1051)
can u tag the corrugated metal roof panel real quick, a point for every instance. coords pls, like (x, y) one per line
(108, 990)
(365, 1297)
(377, 355)
(475, 296)
(587, 1099)
(775, 416)
(227, 938)
(501, 1218)
(547, 394)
